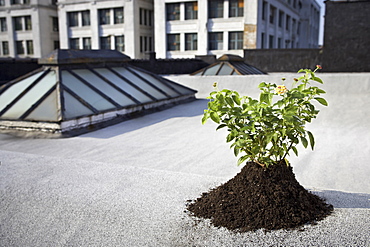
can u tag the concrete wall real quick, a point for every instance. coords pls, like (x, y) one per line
(347, 36)
(279, 60)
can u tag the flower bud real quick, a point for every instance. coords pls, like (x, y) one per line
(319, 66)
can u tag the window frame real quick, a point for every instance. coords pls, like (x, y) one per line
(173, 38)
(236, 43)
(215, 39)
(172, 11)
(116, 18)
(216, 9)
(104, 16)
(238, 10)
(191, 41)
(191, 10)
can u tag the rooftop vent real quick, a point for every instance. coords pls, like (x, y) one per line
(80, 90)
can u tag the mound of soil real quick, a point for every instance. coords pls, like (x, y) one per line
(258, 197)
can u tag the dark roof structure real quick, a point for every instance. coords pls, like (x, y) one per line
(78, 90)
(229, 65)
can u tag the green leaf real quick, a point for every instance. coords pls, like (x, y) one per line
(221, 126)
(321, 101)
(262, 84)
(304, 141)
(319, 91)
(236, 99)
(214, 116)
(312, 139)
(242, 159)
(295, 150)
(236, 151)
(205, 117)
(229, 101)
(318, 80)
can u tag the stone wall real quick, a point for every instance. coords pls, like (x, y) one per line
(283, 60)
(347, 36)
(11, 68)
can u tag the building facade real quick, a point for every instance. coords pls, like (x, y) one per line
(171, 28)
(28, 28)
(126, 26)
(214, 27)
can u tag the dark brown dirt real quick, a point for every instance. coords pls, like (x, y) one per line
(269, 198)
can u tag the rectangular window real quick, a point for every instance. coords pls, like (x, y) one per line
(74, 43)
(264, 9)
(150, 44)
(2, 2)
(191, 11)
(118, 15)
(279, 43)
(29, 45)
(56, 44)
(72, 19)
(16, 2)
(173, 42)
(141, 16)
(150, 18)
(5, 47)
(236, 8)
(86, 42)
(55, 24)
(272, 14)
(104, 16)
(235, 40)
(262, 40)
(191, 41)
(141, 44)
(18, 23)
(271, 41)
(216, 41)
(287, 22)
(19, 47)
(215, 8)
(3, 26)
(281, 18)
(28, 22)
(85, 18)
(120, 43)
(173, 11)
(105, 43)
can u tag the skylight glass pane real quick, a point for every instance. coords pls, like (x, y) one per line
(225, 70)
(85, 92)
(212, 70)
(181, 89)
(140, 83)
(74, 108)
(11, 93)
(124, 85)
(199, 73)
(107, 89)
(30, 98)
(157, 83)
(47, 110)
